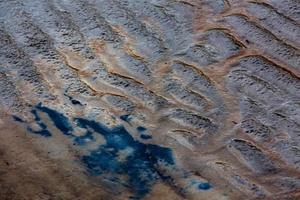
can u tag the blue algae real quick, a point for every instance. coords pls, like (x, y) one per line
(146, 137)
(59, 120)
(204, 186)
(141, 160)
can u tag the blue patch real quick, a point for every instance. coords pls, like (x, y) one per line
(36, 115)
(82, 140)
(73, 101)
(126, 118)
(146, 137)
(76, 102)
(140, 163)
(143, 135)
(44, 132)
(161, 154)
(204, 186)
(59, 120)
(141, 129)
(121, 155)
(18, 119)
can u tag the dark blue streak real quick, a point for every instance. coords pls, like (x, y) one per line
(146, 137)
(18, 119)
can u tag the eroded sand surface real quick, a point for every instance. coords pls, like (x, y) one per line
(149, 99)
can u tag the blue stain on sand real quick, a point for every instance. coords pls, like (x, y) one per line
(120, 155)
(18, 119)
(44, 131)
(204, 186)
(59, 120)
(126, 118)
(201, 185)
(140, 163)
(82, 140)
(142, 130)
